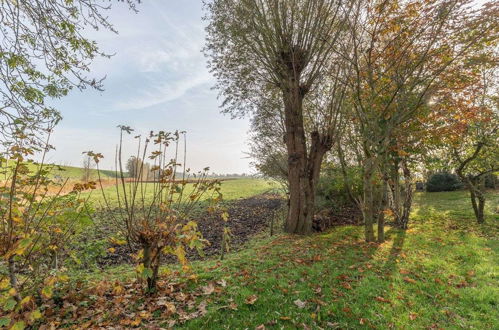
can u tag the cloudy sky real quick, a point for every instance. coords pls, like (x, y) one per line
(157, 80)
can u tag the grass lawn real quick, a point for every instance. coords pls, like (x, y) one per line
(441, 273)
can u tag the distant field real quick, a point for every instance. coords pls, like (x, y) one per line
(72, 173)
(231, 189)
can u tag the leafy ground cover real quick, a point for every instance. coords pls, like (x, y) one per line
(442, 273)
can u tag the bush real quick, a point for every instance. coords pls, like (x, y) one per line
(332, 189)
(443, 181)
(491, 181)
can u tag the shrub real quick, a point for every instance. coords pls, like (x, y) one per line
(332, 189)
(491, 181)
(37, 224)
(443, 181)
(157, 216)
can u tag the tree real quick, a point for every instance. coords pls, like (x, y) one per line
(88, 165)
(467, 122)
(267, 146)
(258, 48)
(399, 50)
(43, 54)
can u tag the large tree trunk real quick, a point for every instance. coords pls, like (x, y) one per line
(303, 167)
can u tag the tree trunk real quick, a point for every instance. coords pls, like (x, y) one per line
(477, 200)
(368, 203)
(403, 220)
(396, 200)
(13, 278)
(303, 168)
(381, 213)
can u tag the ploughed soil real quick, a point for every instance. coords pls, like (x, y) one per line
(247, 217)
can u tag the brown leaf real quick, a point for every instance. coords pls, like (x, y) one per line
(381, 299)
(260, 327)
(251, 299)
(413, 316)
(404, 272)
(299, 303)
(346, 285)
(409, 280)
(209, 289)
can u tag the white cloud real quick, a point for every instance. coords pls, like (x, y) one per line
(166, 91)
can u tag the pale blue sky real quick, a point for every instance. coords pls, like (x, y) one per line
(156, 81)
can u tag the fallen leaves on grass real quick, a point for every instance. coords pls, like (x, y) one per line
(409, 280)
(109, 303)
(251, 299)
(299, 303)
(381, 299)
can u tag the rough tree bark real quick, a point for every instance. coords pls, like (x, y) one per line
(303, 167)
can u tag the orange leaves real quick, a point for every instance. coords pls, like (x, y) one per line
(381, 299)
(409, 280)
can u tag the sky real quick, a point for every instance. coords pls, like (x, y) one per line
(157, 80)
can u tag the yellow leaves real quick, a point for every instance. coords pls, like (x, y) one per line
(117, 241)
(20, 325)
(20, 247)
(111, 250)
(4, 284)
(47, 292)
(12, 292)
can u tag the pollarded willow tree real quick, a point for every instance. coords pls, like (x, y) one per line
(44, 54)
(257, 46)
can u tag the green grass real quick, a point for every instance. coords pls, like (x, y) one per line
(441, 273)
(69, 172)
(231, 189)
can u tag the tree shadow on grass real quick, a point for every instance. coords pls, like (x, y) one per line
(360, 305)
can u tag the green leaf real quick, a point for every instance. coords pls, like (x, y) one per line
(20, 325)
(9, 304)
(4, 321)
(147, 273)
